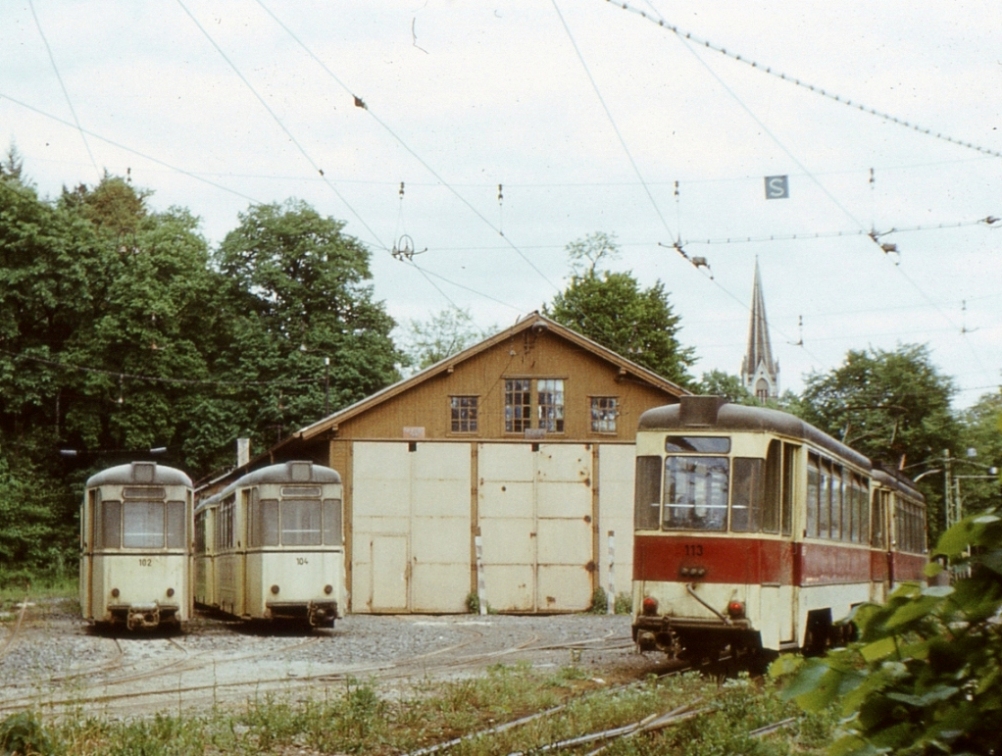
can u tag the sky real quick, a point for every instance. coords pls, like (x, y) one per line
(480, 138)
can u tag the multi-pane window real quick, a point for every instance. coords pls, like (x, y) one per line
(464, 414)
(550, 401)
(517, 405)
(604, 410)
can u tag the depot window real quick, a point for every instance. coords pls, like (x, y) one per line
(604, 411)
(534, 404)
(463, 411)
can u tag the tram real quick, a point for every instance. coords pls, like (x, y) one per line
(756, 532)
(135, 547)
(270, 546)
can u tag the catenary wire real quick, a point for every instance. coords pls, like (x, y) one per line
(282, 126)
(872, 233)
(123, 147)
(62, 85)
(612, 122)
(360, 103)
(803, 84)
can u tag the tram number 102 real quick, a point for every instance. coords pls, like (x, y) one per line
(694, 549)
(145, 562)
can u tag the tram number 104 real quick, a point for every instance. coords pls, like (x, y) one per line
(694, 549)
(302, 560)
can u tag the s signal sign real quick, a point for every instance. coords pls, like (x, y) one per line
(777, 187)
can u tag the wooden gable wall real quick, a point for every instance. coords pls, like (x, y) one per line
(533, 353)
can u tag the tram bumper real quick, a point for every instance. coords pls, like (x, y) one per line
(144, 616)
(689, 638)
(314, 613)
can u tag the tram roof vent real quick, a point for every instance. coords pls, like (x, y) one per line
(300, 471)
(144, 472)
(700, 410)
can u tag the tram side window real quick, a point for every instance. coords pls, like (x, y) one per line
(696, 493)
(224, 524)
(200, 533)
(332, 522)
(864, 510)
(838, 501)
(747, 496)
(111, 524)
(175, 525)
(647, 494)
(773, 488)
(301, 522)
(813, 493)
(269, 522)
(878, 512)
(825, 502)
(789, 478)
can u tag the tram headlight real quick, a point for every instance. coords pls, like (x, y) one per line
(649, 606)
(114, 592)
(274, 589)
(735, 609)
(328, 589)
(170, 592)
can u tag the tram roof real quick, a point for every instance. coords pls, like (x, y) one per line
(139, 474)
(897, 481)
(714, 413)
(284, 472)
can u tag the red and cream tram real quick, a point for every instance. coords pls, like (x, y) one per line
(755, 532)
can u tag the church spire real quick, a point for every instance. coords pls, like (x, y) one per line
(759, 372)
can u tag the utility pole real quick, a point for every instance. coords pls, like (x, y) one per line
(327, 386)
(948, 488)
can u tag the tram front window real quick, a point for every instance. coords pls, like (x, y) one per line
(301, 522)
(143, 525)
(696, 493)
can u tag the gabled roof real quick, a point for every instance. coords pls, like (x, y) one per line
(532, 321)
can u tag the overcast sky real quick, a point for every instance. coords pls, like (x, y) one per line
(588, 115)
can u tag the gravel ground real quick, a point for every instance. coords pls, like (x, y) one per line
(56, 662)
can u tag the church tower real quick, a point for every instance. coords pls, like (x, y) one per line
(759, 372)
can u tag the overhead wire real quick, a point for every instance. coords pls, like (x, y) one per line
(406, 146)
(282, 125)
(872, 233)
(803, 84)
(120, 146)
(612, 121)
(62, 85)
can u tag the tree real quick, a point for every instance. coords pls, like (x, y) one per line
(924, 677)
(719, 383)
(614, 311)
(893, 406)
(444, 334)
(981, 430)
(298, 288)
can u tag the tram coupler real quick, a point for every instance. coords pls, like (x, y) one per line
(143, 617)
(323, 614)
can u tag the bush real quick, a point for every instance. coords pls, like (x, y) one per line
(925, 675)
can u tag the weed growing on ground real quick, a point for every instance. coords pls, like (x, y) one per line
(352, 717)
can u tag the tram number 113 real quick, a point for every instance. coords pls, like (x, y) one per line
(694, 549)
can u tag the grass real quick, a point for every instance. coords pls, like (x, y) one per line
(353, 717)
